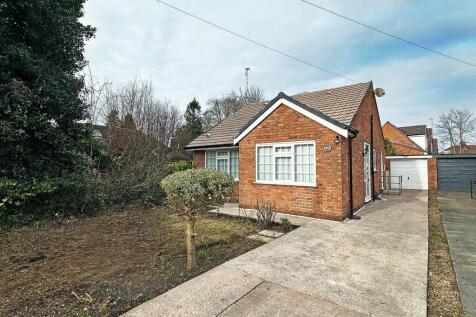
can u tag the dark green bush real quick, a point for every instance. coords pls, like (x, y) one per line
(286, 225)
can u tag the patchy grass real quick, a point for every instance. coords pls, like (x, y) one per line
(107, 264)
(443, 294)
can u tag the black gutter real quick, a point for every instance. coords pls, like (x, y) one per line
(351, 181)
(454, 156)
(200, 147)
(351, 189)
(372, 156)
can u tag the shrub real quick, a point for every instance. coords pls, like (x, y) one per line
(194, 191)
(70, 191)
(14, 194)
(389, 150)
(181, 166)
(135, 174)
(265, 213)
(286, 225)
(197, 189)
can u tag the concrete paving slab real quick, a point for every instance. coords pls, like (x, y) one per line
(401, 214)
(458, 213)
(206, 295)
(259, 237)
(272, 300)
(271, 233)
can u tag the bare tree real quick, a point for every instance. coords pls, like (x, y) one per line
(93, 96)
(456, 128)
(139, 131)
(251, 94)
(153, 117)
(220, 108)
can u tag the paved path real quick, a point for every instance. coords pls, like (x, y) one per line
(373, 266)
(458, 213)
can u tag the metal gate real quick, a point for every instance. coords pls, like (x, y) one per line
(455, 172)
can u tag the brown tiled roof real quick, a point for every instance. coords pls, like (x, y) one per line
(413, 130)
(464, 149)
(339, 104)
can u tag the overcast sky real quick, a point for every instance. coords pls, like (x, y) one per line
(185, 58)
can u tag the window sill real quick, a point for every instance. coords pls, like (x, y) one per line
(285, 184)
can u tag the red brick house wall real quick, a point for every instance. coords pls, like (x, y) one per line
(330, 198)
(402, 144)
(198, 159)
(287, 125)
(361, 122)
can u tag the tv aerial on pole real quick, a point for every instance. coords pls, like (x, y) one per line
(247, 69)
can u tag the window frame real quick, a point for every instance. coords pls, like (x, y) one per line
(226, 157)
(292, 154)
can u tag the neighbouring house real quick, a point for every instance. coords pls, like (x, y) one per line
(460, 149)
(317, 154)
(410, 140)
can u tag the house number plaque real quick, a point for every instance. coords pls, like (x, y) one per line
(327, 148)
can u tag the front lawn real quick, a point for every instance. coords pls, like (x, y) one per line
(108, 264)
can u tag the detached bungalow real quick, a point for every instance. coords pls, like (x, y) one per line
(317, 154)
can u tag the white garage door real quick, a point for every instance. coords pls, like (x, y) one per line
(414, 172)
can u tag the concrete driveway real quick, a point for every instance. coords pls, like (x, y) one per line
(373, 266)
(458, 213)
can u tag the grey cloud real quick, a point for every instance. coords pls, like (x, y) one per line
(185, 58)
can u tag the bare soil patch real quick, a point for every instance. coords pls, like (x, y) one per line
(443, 295)
(105, 265)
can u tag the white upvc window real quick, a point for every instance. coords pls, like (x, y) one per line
(289, 163)
(223, 160)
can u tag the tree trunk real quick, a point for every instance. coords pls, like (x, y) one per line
(190, 240)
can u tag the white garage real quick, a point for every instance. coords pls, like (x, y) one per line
(413, 169)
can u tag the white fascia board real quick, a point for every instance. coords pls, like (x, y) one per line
(296, 108)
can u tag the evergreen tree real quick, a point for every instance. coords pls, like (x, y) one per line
(193, 120)
(112, 120)
(128, 122)
(42, 144)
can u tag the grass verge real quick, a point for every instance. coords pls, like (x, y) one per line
(443, 294)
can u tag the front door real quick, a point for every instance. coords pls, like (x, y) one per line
(367, 173)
